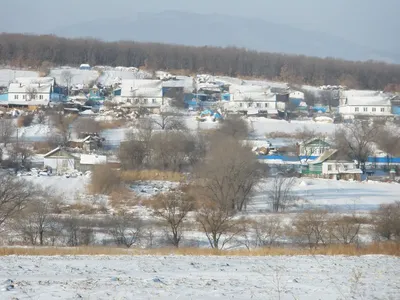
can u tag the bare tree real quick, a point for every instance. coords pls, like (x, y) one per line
(267, 231)
(14, 195)
(280, 194)
(386, 221)
(218, 223)
(236, 127)
(34, 221)
(66, 77)
(229, 173)
(169, 120)
(21, 155)
(172, 208)
(126, 229)
(86, 125)
(312, 226)
(7, 130)
(356, 141)
(344, 229)
(31, 93)
(63, 126)
(388, 140)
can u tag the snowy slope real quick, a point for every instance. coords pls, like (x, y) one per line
(79, 76)
(114, 76)
(191, 277)
(6, 75)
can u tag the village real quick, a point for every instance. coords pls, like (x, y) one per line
(119, 98)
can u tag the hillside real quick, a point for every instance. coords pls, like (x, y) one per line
(20, 50)
(221, 30)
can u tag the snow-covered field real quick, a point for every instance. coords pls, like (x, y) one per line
(345, 196)
(191, 277)
(79, 76)
(6, 75)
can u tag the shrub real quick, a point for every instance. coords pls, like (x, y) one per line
(104, 180)
(25, 121)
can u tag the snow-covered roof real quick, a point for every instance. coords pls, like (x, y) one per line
(33, 80)
(21, 88)
(141, 88)
(52, 152)
(93, 159)
(366, 98)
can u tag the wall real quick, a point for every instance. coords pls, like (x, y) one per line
(60, 164)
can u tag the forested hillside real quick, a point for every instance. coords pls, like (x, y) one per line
(43, 51)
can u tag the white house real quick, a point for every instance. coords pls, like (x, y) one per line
(245, 97)
(141, 93)
(365, 103)
(29, 94)
(60, 160)
(88, 161)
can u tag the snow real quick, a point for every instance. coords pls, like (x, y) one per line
(79, 76)
(151, 188)
(68, 188)
(35, 132)
(261, 126)
(6, 75)
(93, 159)
(111, 76)
(199, 277)
(335, 195)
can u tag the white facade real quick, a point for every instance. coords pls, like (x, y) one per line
(245, 97)
(141, 92)
(334, 167)
(32, 94)
(296, 95)
(365, 103)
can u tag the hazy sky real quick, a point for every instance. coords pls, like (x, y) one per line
(367, 22)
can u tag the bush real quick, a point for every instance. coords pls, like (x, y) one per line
(25, 121)
(104, 180)
(387, 221)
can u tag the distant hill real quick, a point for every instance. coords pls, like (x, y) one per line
(219, 30)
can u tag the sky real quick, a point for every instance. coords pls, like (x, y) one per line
(367, 22)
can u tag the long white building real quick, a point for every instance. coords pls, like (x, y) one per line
(365, 103)
(244, 97)
(141, 93)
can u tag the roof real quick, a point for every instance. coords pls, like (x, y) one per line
(22, 88)
(93, 159)
(33, 80)
(366, 98)
(141, 88)
(52, 152)
(327, 154)
(313, 140)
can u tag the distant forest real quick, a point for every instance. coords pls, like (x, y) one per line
(45, 51)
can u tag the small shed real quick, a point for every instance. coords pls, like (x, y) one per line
(88, 161)
(60, 160)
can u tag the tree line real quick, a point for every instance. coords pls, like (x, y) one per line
(45, 51)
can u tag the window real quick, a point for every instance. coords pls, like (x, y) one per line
(145, 101)
(24, 97)
(153, 101)
(137, 101)
(16, 97)
(382, 109)
(129, 100)
(357, 109)
(365, 109)
(249, 104)
(266, 104)
(374, 109)
(41, 97)
(240, 104)
(329, 167)
(258, 104)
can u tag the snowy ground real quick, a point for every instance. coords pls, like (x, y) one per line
(191, 277)
(6, 75)
(79, 76)
(67, 188)
(148, 189)
(345, 196)
(113, 76)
